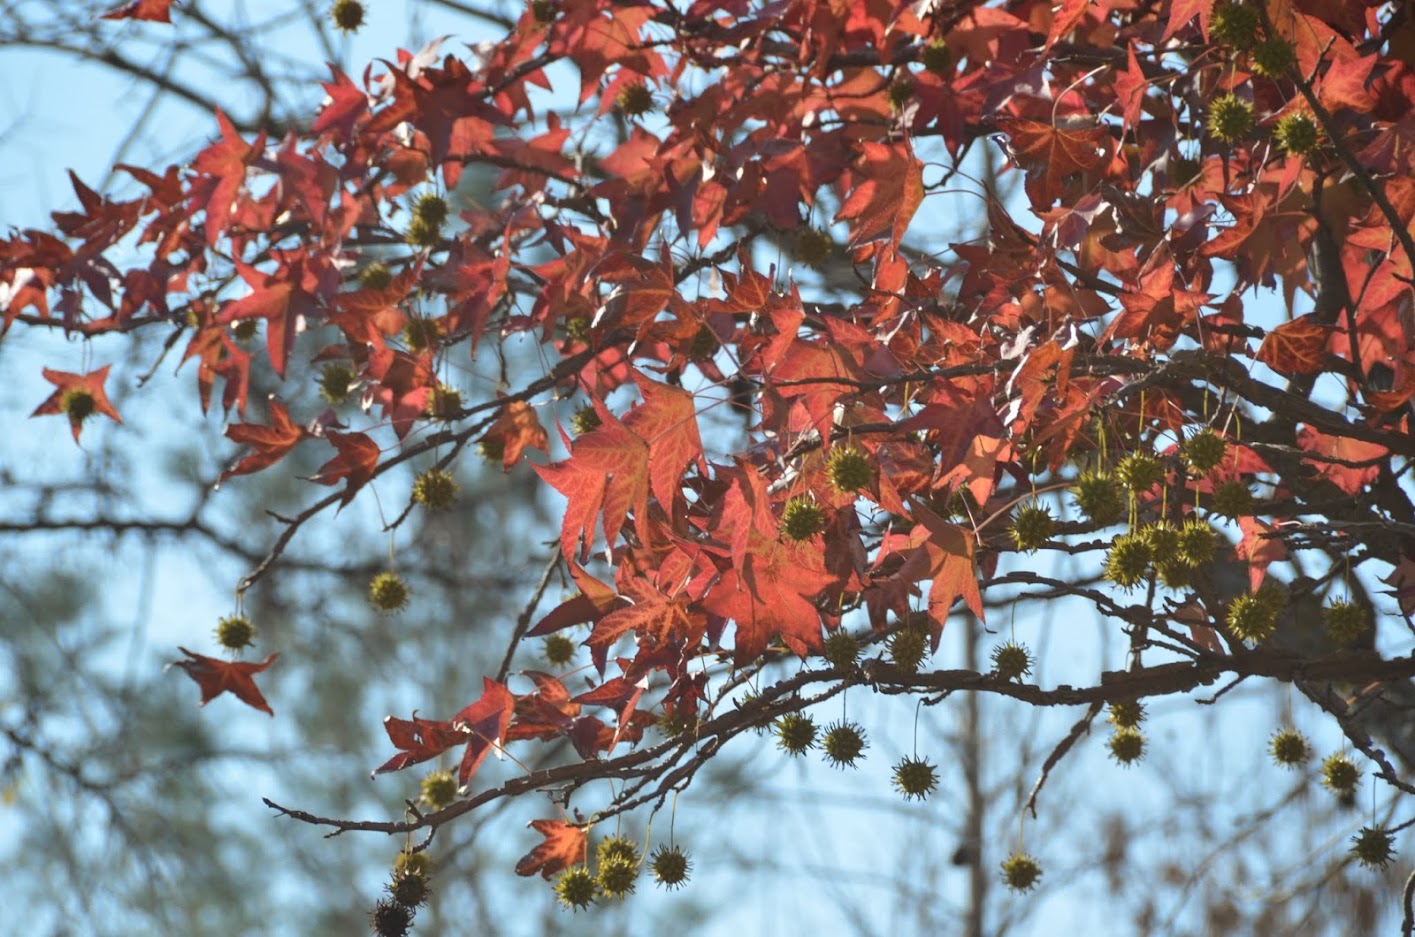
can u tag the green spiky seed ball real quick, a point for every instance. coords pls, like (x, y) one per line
(558, 650)
(1174, 574)
(1163, 538)
(390, 919)
(348, 15)
(1233, 499)
(915, 778)
(1011, 661)
(843, 744)
(617, 877)
(1139, 472)
(1197, 545)
(634, 100)
(387, 592)
(1204, 451)
(410, 891)
(1127, 746)
(336, 383)
(491, 448)
(802, 518)
(1100, 498)
(841, 650)
(1128, 560)
(1234, 24)
(900, 93)
(1127, 714)
(1289, 748)
(1372, 847)
(575, 888)
(908, 647)
(1297, 134)
(413, 863)
(585, 420)
(444, 404)
(376, 276)
(422, 334)
(577, 328)
(1250, 618)
(235, 632)
(1020, 872)
(1345, 621)
(704, 344)
(848, 469)
(617, 847)
(423, 235)
(1274, 58)
(1032, 527)
(435, 489)
(814, 247)
(1340, 775)
(795, 733)
(1230, 118)
(671, 867)
(937, 58)
(431, 208)
(438, 789)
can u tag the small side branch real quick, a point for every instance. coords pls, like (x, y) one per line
(1082, 726)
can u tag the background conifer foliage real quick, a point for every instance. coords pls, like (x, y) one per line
(682, 268)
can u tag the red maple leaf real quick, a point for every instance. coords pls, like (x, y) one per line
(281, 299)
(1296, 347)
(564, 846)
(484, 723)
(216, 676)
(347, 103)
(1051, 155)
(944, 554)
(418, 740)
(78, 396)
(1350, 464)
(155, 11)
(885, 188)
(271, 442)
(355, 463)
(517, 428)
(224, 164)
(1259, 548)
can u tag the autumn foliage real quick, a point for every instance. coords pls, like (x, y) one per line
(669, 232)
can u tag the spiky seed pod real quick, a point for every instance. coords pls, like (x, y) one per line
(937, 58)
(675, 722)
(1274, 58)
(491, 448)
(1250, 618)
(1230, 118)
(438, 789)
(431, 208)
(444, 403)
(634, 100)
(1127, 714)
(376, 276)
(1197, 545)
(844, 743)
(1234, 24)
(435, 489)
(585, 420)
(617, 877)
(1139, 472)
(387, 592)
(704, 344)
(795, 733)
(848, 469)
(348, 15)
(575, 888)
(1297, 134)
(915, 778)
(1100, 498)
(577, 328)
(1289, 748)
(390, 919)
(558, 650)
(410, 891)
(1233, 499)
(1340, 775)
(617, 847)
(814, 247)
(1031, 527)
(1372, 847)
(841, 650)
(543, 11)
(900, 94)
(1127, 746)
(802, 518)
(1128, 560)
(1345, 621)
(1020, 872)
(1182, 170)
(412, 863)
(244, 330)
(1174, 574)
(423, 235)
(235, 632)
(1012, 661)
(908, 647)
(671, 867)
(1163, 538)
(422, 334)
(1204, 451)
(336, 382)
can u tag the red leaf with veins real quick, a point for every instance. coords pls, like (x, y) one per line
(1259, 548)
(1296, 347)
(484, 723)
(216, 676)
(1350, 464)
(1051, 154)
(418, 739)
(271, 442)
(886, 188)
(281, 299)
(69, 388)
(356, 462)
(224, 165)
(564, 846)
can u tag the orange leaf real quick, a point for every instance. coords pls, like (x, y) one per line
(564, 846)
(886, 187)
(356, 462)
(69, 394)
(271, 442)
(1050, 154)
(216, 676)
(1258, 549)
(517, 427)
(1296, 347)
(1350, 464)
